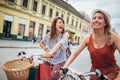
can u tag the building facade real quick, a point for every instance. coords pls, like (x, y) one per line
(23, 19)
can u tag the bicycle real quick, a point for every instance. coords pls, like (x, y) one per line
(41, 71)
(69, 74)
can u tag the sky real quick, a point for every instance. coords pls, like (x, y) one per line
(110, 6)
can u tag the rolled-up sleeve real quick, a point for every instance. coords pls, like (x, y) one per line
(64, 42)
(44, 38)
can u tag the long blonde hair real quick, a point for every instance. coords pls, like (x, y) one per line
(107, 27)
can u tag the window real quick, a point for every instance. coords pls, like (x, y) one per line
(35, 6)
(21, 28)
(75, 38)
(25, 2)
(31, 29)
(76, 23)
(57, 13)
(7, 29)
(72, 22)
(67, 20)
(11, 1)
(43, 9)
(50, 13)
(7, 26)
(62, 15)
(48, 29)
(80, 26)
(78, 39)
(40, 31)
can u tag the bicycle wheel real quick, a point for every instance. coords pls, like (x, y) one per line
(66, 77)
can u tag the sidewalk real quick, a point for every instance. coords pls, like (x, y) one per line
(21, 44)
(18, 44)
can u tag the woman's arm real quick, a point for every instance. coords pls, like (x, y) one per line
(43, 46)
(116, 41)
(60, 43)
(57, 46)
(73, 56)
(118, 76)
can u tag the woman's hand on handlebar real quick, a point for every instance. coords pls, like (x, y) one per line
(63, 70)
(47, 55)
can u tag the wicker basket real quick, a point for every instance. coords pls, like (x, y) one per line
(17, 69)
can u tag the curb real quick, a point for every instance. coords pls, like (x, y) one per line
(17, 47)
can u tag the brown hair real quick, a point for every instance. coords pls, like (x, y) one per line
(53, 33)
(107, 28)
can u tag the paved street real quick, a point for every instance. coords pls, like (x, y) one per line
(10, 49)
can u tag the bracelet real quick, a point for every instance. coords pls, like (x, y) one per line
(45, 49)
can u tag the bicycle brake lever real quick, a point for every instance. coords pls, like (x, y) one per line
(39, 58)
(101, 76)
(64, 70)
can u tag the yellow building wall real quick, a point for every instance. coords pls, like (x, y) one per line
(26, 13)
(17, 15)
(14, 27)
(1, 21)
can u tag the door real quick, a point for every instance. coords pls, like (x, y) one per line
(7, 29)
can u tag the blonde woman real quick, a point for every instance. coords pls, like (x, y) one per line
(101, 43)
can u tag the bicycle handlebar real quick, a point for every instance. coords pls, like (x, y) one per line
(23, 55)
(96, 73)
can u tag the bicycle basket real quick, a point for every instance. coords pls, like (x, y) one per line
(17, 69)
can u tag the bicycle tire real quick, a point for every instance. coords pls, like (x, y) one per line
(66, 77)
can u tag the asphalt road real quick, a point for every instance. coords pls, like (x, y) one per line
(82, 63)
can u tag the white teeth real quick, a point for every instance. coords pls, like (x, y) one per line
(96, 24)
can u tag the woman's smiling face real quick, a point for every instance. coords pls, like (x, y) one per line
(59, 25)
(98, 21)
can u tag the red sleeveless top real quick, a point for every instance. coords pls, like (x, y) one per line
(102, 57)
